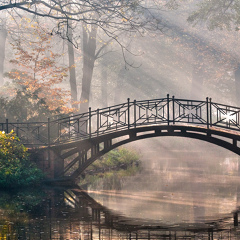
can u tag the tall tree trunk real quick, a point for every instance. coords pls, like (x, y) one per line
(89, 51)
(3, 37)
(104, 89)
(72, 70)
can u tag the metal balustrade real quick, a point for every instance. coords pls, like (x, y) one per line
(128, 115)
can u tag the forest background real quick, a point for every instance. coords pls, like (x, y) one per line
(59, 57)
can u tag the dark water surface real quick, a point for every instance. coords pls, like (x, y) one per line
(168, 199)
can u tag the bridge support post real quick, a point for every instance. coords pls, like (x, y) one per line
(128, 112)
(173, 109)
(94, 149)
(207, 105)
(168, 111)
(132, 135)
(98, 122)
(107, 144)
(48, 126)
(59, 131)
(58, 164)
(83, 157)
(90, 123)
(135, 114)
(7, 130)
(18, 128)
(210, 111)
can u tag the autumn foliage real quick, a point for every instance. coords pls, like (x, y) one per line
(37, 69)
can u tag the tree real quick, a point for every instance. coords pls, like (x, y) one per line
(38, 71)
(111, 17)
(25, 106)
(89, 49)
(72, 67)
(222, 14)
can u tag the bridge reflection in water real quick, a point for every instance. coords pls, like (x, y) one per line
(73, 214)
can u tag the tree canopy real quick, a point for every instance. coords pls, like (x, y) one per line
(109, 15)
(222, 14)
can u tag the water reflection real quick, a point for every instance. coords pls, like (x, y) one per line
(173, 196)
(176, 196)
(73, 214)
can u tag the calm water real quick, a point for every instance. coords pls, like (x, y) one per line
(181, 195)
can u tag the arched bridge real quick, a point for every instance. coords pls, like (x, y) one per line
(67, 146)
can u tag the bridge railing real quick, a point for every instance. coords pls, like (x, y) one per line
(224, 116)
(189, 111)
(30, 132)
(130, 114)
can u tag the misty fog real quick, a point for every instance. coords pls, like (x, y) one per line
(182, 59)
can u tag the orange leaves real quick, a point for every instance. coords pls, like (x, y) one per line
(37, 69)
(83, 101)
(124, 20)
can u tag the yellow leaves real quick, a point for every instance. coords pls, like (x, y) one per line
(28, 20)
(83, 101)
(64, 74)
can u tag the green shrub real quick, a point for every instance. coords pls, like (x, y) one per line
(112, 168)
(118, 158)
(16, 169)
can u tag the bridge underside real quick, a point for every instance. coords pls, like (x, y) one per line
(69, 161)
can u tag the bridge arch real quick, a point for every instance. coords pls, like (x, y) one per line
(87, 151)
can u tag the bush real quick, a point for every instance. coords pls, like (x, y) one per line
(118, 158)
(16, 169)
(110, 169)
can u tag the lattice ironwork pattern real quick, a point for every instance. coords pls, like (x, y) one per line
(189, 111)
(150, 111)
(224, 116)
(130, 114)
